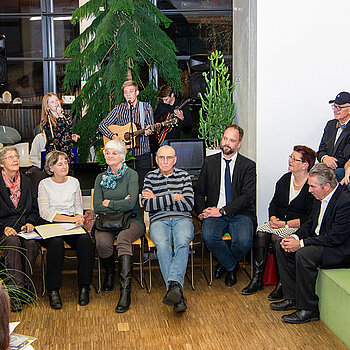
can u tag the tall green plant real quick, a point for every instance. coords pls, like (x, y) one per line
(217, 110)
(124, 39)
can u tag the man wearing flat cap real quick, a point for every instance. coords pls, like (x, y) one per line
(334, 149)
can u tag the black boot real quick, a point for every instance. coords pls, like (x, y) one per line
(109, 265)
(125, 276)
(258, 269)
(277, 293)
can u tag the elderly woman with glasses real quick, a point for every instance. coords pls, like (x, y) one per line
(289, 208)
(117, 190)
(60, 200)
(18, 212)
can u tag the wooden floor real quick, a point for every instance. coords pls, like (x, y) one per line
(218, 317)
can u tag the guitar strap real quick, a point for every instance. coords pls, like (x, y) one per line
(142, 114)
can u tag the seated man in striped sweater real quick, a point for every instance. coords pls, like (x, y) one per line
(168, 197)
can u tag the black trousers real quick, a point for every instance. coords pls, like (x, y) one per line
(298, 273)
(55, 255)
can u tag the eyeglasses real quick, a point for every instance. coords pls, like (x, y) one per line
(295, 160)
(167, 158)
(12, 157)
(338, 108)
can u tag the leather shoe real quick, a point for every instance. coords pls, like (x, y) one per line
(181, 306)
(219, 271)
(55, 300)
(231, 278)
(277, 293)
(16, 304)
(173, 295)
(84, 296)
(302, 316)
(283, 305)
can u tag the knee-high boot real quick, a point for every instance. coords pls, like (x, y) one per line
(258, 270)
(277, 293)
(109, 266)
(125, 278)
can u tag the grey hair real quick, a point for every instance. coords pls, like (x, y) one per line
(324, 175)
(6, 149)
(52, 159)
(119, 146)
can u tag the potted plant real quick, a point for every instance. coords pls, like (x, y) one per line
(217, 111)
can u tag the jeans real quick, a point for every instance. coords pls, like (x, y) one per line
(172, 237)
(339, 174)
(241, 230)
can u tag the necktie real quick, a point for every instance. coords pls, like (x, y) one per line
(228, 188)
(341, 126)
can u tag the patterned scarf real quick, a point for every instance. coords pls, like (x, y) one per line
(110, 180)
(14, 186)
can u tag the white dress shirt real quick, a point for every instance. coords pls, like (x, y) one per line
(222, 196)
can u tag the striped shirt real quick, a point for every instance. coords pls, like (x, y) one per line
(164, 205)
(120, 115)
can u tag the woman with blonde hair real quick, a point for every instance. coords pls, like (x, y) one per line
(57, 126)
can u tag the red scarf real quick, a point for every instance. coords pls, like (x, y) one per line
(14, 186)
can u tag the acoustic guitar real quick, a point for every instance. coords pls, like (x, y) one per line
(161, 133)
(124, 131)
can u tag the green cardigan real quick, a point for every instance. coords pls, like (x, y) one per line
(128, 184)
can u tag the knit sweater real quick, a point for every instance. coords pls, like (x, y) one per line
(128, 184)
(164, 187)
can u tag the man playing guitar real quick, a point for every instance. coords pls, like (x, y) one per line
(142, 115)
(169, 106)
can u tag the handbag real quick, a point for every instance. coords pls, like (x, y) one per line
(113, 222)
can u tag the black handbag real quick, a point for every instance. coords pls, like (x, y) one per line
(113, 222)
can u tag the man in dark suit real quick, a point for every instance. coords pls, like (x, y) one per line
(334, 149)
(324, 240)
(225, 198)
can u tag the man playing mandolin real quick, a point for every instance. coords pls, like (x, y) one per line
(117, 125)
(168, 107)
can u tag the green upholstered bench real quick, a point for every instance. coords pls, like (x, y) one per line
(333, 289)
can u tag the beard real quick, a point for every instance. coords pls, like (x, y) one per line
(226, 150)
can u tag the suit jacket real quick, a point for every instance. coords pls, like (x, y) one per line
(339, 150)
(207, 190)
(299, 208)
(334, 231)
(9, 214)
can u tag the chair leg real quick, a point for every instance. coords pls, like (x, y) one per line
(209, 280)
(141, 263)
(149, 271)
(99, 275)
(192, 267)
(43, 284)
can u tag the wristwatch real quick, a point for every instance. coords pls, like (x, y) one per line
(222, 211)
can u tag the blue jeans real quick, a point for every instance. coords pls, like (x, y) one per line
(339, 174)
(241, 230)
(168, 232)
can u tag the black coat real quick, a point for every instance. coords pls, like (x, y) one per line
(9, 214)
(299, 208)
(334, 231)
(340, 150)
(207, 190)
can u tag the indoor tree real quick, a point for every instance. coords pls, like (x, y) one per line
(124, 40)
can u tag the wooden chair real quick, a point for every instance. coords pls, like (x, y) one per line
(225, 237)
